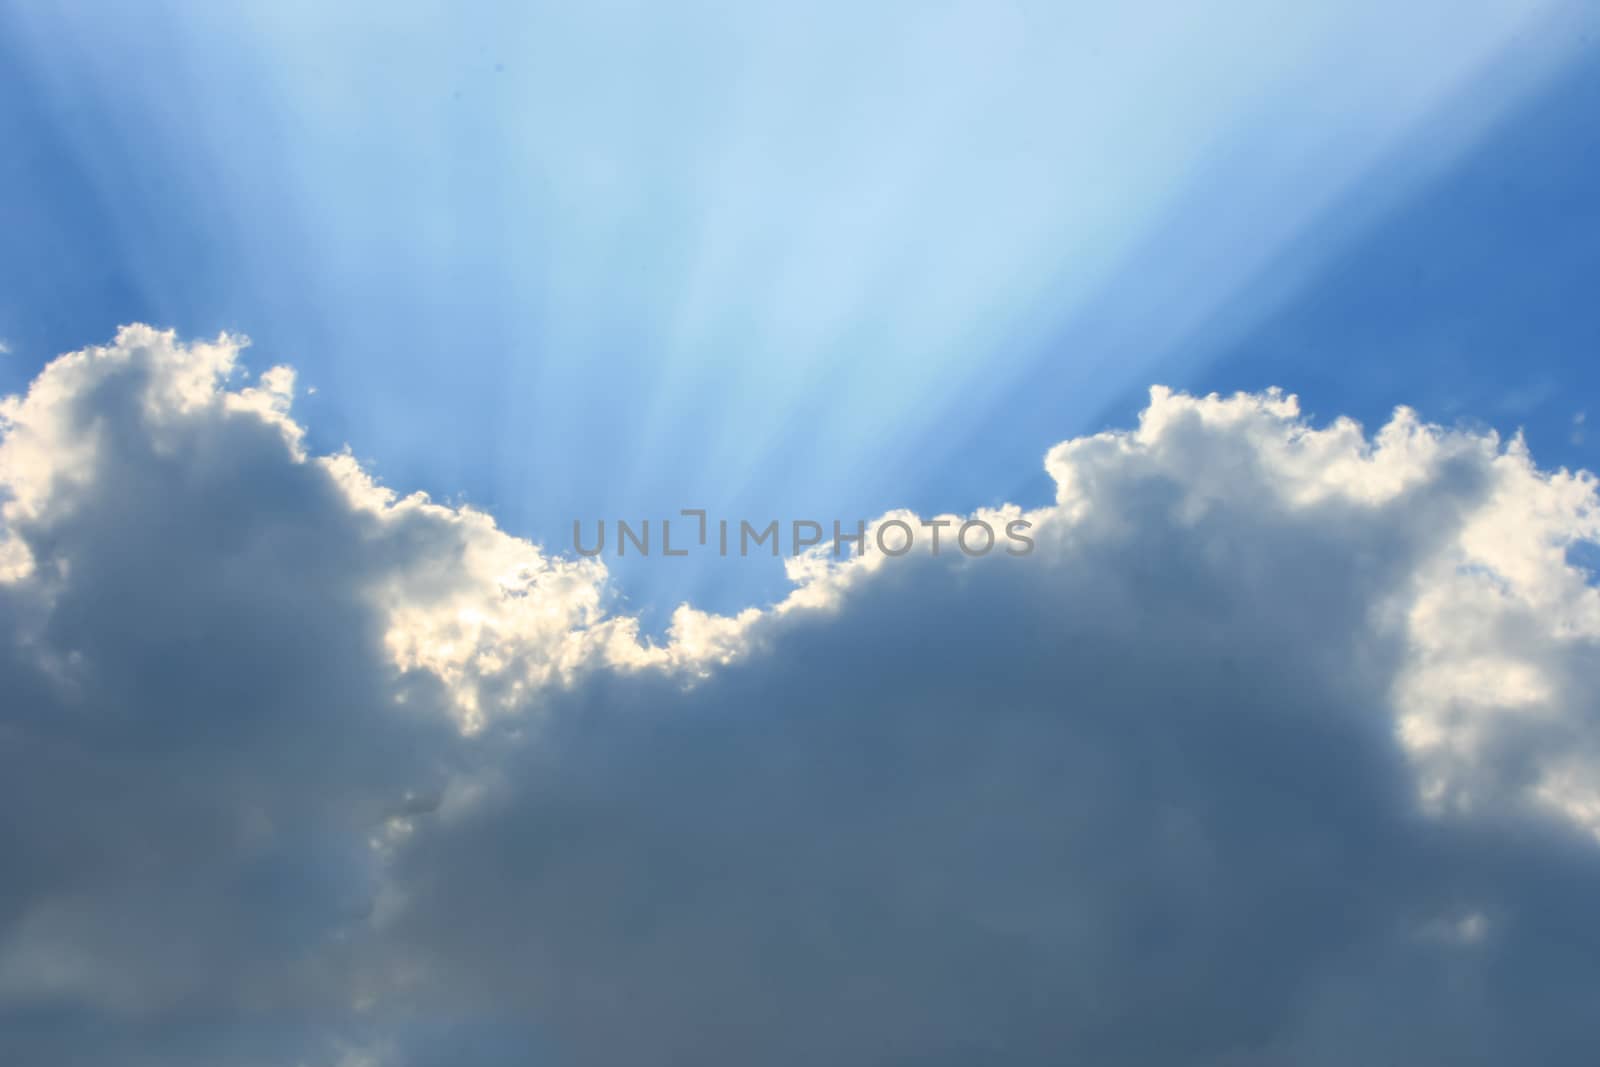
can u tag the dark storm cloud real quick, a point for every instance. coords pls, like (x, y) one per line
(1239, 767)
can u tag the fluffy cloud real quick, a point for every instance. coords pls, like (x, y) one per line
(1280, 748)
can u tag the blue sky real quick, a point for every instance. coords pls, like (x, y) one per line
(1280, 746)
(797, 261)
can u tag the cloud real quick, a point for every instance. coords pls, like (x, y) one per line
(1281, 747)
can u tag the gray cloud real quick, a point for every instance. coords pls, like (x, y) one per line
(1279, 749)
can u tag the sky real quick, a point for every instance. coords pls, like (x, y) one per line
(1271, 326)
(800, 261)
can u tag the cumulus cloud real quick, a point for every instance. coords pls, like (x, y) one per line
(1280, 748)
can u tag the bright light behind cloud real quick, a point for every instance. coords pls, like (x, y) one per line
(1279, 749)
(322, 745)
(713, 256)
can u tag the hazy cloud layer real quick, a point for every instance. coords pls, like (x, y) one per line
(1281, 748)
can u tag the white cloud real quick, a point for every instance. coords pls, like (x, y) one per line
(1280, 748)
